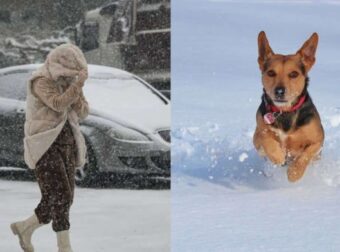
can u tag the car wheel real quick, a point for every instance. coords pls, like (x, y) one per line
(86, 176)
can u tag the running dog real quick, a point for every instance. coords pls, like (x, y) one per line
(289, 129)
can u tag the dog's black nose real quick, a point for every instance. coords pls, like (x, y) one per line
(280, 92)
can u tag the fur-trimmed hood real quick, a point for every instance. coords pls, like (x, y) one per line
(65, 60)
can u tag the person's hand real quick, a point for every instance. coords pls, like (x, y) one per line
(82, 76)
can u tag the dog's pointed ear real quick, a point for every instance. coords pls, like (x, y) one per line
(308, 50)
(265, 52)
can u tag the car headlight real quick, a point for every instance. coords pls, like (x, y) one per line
(125, 134)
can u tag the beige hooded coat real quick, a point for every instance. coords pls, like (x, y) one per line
(49, 105)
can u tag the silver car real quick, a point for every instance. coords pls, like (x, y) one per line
(127, 131)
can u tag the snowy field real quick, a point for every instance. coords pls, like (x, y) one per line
(221, 201)
(101, 220)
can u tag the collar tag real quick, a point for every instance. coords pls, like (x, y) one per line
(269, 118)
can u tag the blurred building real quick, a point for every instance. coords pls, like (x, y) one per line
(35, 16)
(129, 34)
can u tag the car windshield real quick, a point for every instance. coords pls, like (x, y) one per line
(13, 84)
(106, 92)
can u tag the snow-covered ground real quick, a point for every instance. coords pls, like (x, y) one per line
(221, 201)
(101, 220)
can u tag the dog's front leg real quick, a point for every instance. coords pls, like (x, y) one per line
(297, 168)
(266, 141)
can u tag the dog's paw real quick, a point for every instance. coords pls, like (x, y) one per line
(295, 172)
(278, 158)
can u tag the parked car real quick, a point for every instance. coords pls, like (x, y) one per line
(127, 131)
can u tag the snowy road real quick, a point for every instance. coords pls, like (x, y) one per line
(102, 220)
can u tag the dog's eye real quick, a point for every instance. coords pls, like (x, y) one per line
(293, 75)
(271, 73)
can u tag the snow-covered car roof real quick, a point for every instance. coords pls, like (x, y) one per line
(118, 96)
(94, 70)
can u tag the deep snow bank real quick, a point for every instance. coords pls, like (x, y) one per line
(232, 160)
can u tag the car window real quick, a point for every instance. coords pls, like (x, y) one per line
(13, 84)
(90, 36)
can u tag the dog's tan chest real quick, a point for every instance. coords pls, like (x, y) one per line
(280, 134)
(289, 142)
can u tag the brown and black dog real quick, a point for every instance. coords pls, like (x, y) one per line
(289, 129)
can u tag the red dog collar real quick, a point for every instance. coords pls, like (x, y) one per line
(274, 112)
(273, 108)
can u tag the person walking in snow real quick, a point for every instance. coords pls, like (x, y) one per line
(54, 145)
